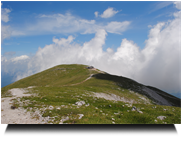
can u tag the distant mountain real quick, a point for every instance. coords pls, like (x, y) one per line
(178, 95)
(6, 79)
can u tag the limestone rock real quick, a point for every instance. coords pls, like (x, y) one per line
(133, 108)
(161, 117)
(80, 103)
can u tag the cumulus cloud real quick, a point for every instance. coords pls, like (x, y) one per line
(108, 13)
(158, 64)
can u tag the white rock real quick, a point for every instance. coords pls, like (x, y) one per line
(80, 103)
(51, 107)
(116, 113)
(80, 116)
(113, 119)
(161, 117)
(87, 105)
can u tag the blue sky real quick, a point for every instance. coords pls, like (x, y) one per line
(128, 38)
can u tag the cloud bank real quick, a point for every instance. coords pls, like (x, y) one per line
(158, 64)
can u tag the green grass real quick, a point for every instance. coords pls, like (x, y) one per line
(53, 87)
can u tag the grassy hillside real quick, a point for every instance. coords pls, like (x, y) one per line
(64, 85)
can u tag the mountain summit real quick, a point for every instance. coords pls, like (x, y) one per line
(83, 94)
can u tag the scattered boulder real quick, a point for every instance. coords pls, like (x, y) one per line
(113, 119)
(161, 117)
(116, 113)
(80, 103)
(140, 112)
(109, 105)
(87, 105)
(133, 108)
(51, 107)
(80, 116)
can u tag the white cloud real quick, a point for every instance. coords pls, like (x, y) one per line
(5, 29)
(3, 59)
(108, 13)
(158, 64)
(96, 14)
(4, 14)
(160, 5)
(22, 57)
(68, 24)
(178, 4)
(117, 27)
(5, 32)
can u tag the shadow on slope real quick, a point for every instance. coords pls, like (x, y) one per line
(127, 83)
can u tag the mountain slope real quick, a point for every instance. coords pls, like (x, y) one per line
(81, 95)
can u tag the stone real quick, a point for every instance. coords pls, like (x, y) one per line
(161, 117)
(140, 112)
(133, 108)
(80, 116)
(51, 107)
(113, 119)
(13, 107)
(116, 113)
(87, 105)
(109, 105)
(80, 103)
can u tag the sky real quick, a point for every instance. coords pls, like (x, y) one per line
(140, 40)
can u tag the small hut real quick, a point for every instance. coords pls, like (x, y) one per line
(90, 67)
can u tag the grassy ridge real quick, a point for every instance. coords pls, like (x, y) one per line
(54, 87)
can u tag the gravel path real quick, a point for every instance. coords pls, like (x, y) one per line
(19, 115)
